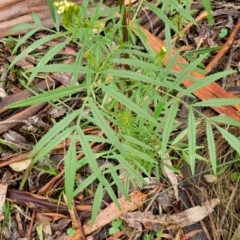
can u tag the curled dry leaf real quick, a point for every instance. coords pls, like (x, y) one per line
(210, 178)
(174, 221)
(20, 166)
(112, 212)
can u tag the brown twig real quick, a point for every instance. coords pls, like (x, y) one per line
(225, 48)
(31, 225)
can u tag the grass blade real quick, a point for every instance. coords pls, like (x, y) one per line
(232, 140)
(48, 96)
(62, 68)
(98, 196)
(168, 127)
(218, 102)
(192, 139)
(51, 53)
(36, 19)
(211, 148)
(128, 103)
(207, 80)
(94, 166)
(35, 45)
(54, 131)
(69, 174)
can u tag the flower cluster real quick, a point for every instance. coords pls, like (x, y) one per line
(63, 6)
(69, 12)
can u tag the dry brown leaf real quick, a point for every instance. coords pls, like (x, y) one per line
(112, 212)
(210, 178)
(20, 166)
(174, 221)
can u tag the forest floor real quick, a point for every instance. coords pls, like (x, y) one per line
(174, 205)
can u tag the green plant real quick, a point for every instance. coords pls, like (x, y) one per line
(70, 231)
(7, 207)
(39, 229)
(139, 135)
(223, 33)
(117, 226)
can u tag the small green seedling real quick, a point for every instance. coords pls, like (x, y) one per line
(70, 231)
(223, 33)
(117, 226)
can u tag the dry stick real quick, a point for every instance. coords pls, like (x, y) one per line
(226, 47)
(24, 115)
(31, 226)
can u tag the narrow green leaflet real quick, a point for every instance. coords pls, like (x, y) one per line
(202, 50)
(168, 127)
(162, 15)
(63, 68)
(118, 182)
(182, 11)
(168, 41)
(85, 184)
(139, 154)
(232, 140)
(186, 72)
(131, 75)
(54, 131)
(54, 15)
(136, 63)
(226, 120)
(211, 147)
(102, 123)
(136, 141)
(70, 170)
(192, 139)
(126, 165)
(218, 102)
(36, 19)
(22, 26)
(204, 82)
(52, 143)
(23, 39)
(128, 103)
(50, 54)
(48, 96)
(98, 196)
(35, 45)
(94, 166)
(207, 6)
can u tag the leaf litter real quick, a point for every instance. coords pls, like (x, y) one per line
(170, 220)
